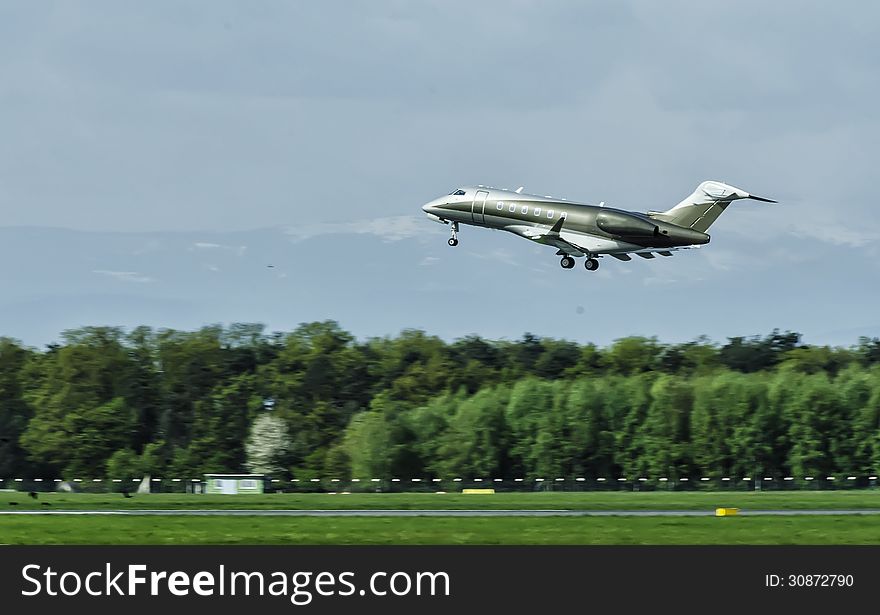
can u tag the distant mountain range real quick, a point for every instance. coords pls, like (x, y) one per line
(384, 275)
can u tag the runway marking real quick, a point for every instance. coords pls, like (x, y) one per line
(433, 513)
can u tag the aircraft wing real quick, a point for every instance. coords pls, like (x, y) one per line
(578, 244)
(649, 253)
(550, 237)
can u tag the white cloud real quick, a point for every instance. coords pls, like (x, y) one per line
(660, 280)
(390, 228)
(204, 245)
(500, 255)
(125, 276)
(836, 234)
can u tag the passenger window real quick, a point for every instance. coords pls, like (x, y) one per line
(549, 213)
(499, 205)
(525, 209)
(537, 211)
(512, 207)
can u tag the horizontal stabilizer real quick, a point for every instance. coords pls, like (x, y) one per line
(760, 198)
(699, 210)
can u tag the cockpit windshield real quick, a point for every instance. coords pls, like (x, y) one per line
(458, 192)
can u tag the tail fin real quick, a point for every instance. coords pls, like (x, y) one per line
(704, 205)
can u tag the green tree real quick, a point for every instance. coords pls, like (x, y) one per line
(588, 441)
(557, 359)
(429, 424)
(124, 465)
(695, 358)
(175, 403)
(367, 442)
(860, 397)
(81, 439)
(627, 403)
(666, 431)
(14, 410)
(220, 426)
(142, 388)
(476, 364)
(77, 393)
(529, 398)
(633, 355)
(756, 354)
(474, 445)
(192, 364)
(810, 410)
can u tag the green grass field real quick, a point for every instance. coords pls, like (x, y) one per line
(609, 500)
(443, 530)
(93, 529)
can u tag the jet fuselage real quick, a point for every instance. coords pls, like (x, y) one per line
(591, 231)
(607, 230)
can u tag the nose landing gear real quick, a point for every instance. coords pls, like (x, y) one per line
(453, 241)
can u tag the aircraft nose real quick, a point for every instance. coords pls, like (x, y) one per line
(434, 211)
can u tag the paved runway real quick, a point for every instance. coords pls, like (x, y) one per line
(436, 513)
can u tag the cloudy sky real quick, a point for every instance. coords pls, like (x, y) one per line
(157, 156)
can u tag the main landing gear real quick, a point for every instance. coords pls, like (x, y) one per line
(453, 241)
(591, 263)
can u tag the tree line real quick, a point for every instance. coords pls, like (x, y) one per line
(317, 402)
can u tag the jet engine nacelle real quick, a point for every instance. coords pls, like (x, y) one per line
(619, 223)
(683, 236)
